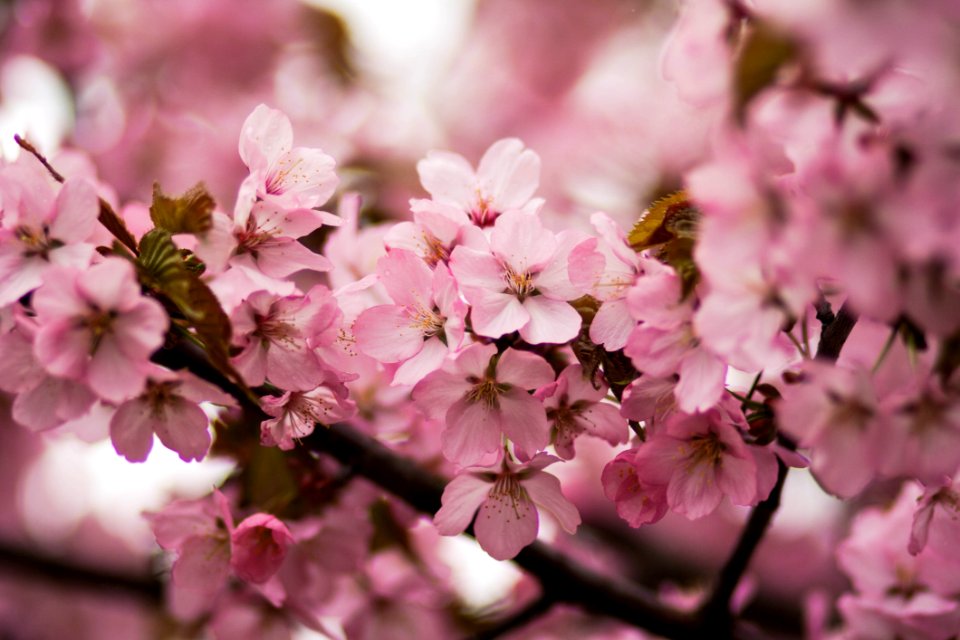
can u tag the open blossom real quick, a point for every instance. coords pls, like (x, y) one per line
(574, 408)
(898, 594)
(482, 400)
(505, 180)
(664, 343)
(278, 335)
(96, 327)
(506, 504)
(701, 458)
(295, 414)
(834, 412)
(42, 401)
(168, 407)
(282, 175)
(613, 322)
(40, 228)
(424, 324)
(435, 231)
(521, 282)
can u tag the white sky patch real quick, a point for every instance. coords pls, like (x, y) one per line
(35, 103)
(71, 479)
(479, 579)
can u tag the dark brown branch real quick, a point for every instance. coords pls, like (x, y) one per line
(28, 563)
(519, 619)
(835, 333)
(715, 611)
(562, 579)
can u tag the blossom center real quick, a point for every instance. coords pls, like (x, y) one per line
(507, 491)
(483, 214)
(706, 449)
(520, 283)
(426, 321)
(487, 392)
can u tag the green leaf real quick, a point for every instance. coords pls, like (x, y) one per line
(762, 55)
(162, 268)
(669, 218)
(190, 213)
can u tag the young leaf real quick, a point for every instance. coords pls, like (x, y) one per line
(764, 53)
(190, 213)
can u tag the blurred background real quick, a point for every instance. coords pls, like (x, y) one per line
(138, 91)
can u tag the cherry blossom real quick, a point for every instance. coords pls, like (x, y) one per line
(505, 180)
(574, 408)
(506, 504)
(422, 327)
(277, 337)
(481, 396)
(521, 282)
(96, 327)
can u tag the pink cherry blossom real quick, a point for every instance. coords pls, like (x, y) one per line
(834, 411)
(38, 230)
(521, 282)
(701, 458)
(296, 413)
(482, 399)
(574, 407)
(613, 322)
(168, 407)
(505, 180)
(278, 335)
(506, 504)
(96, 327)
(637, 502)
(42, 401)
(259, 544)
(281, 175)
(664, 343)
(423, 326)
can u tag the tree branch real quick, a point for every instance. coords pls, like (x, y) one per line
(715, 611)
(835, 333)
(519, 619)
(28, 563)
(562, 579)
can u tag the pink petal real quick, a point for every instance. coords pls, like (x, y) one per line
(506, 524)
(112, 374)
(448, 177)
(551, 321)
(199, 574)
(110, 285)
(259, 544)
(251, 362)
(293, 366)
(406, 278)
(497, 314)
(476, 270)
(525, 420)
(438, 391)
(303, 177)
(265, 136)
(523, 369)
(19, 274)
(702, 375)
(281, 257)
(183, 428)
(604, 421)
(430, 358)
(473, 431)
(77, 210)
(461, 498)
(509, 173)
(519, 240)
(131, 430)
(387, 334)
(612, 325)
(63, 348)
(544, 490)
(473, 360)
